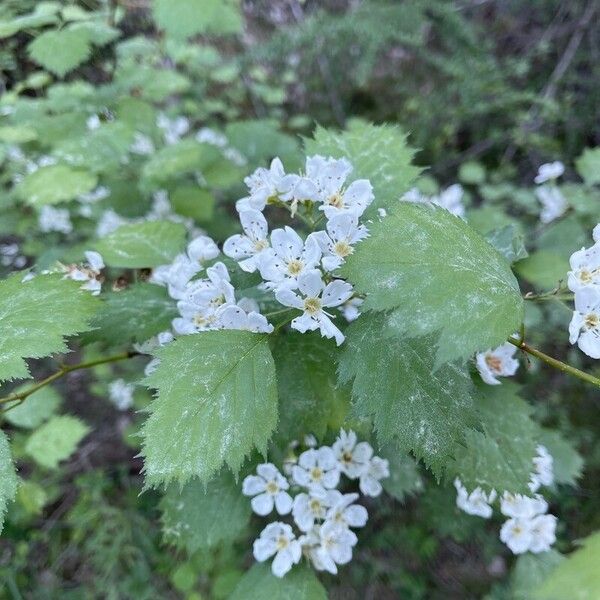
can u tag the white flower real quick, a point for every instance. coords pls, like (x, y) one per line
(121, 394)
(522, 507)
(476, 503)
(142, 144)
(585, 324)
(248, 248)
(332, 545)
(288, 258)
(55, 219)
(206, 135)
(343, 511)
(202, 249)
(89, 272)
(549, 171)
(92, 122)
(317, 468)
(414, 195)
(317, 296)
(279, 540)
(309, 508)
(377, 469)
(543, 473)
(265, 184)
(176, 276)
(451, 200)
(350, 309)
(353, 458)
(543, 533)
(95, 195)
(235, 317)
(269, 490)
(585, 268)
(517, 535)
(343, 231)
(596, 233)
(554, 204)
(497, 363)
(173, 129)
(109, 221)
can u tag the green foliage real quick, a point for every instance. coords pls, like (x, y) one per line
(509, 242)
(56, 440)
(202, 516)
(438, 276)
(37, 408)
(568, 463)
(544, 269)
(588, 166)
(421, 410)
(8, 477)
(60, 51)
(140, 245)
(26, 330)
(216, 402)
(531, 571)
(404, 479)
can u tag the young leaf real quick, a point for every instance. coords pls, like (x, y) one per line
(8, 477)
(500, 456)
(60, 51)
(438, 275)
(217, 400)
(378, 153)
(37, 408)
(25, 329)
(423, 411)
(259, 583)
(56, 440)
(140, 245)
(202, 516)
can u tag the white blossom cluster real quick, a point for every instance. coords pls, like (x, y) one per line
(120, 393)
(54, 219)
(584, 282)
(89, 273)
(554, 204)
(451, 199)
(323, 516)
(528, 527)
(499, 362)
(10, 256)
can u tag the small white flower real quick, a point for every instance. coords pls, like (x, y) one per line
(331, 545)
(202, 249)
(142, 144)
(543, 473)
(309, 508)
(97, 194)
(55, 219)
(89, 272)
(549, 172)
(176, 275)
(343, 511)
(517, 535)
(317, 468)
(522, 507)
(316, 297)
(543, 533)
(121, 394)
(263, 185)
(269, 490)
(585, 324)
(310, 441)
(206, 135)
(497, 363)
(234, 317)
(451, 200)
(173, 129)
(353, 458)
(248, 248)
(369, 482)
(585, 268)
(350, 309)
(278, 539)
(92, 122)
(109, 221)
(476, 503)
(554, 204)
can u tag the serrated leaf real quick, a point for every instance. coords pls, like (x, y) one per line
(134, 314)
(55, 183)
(60, 51)
(500, 456)
(568, 463)
(588, 166)
(421, 410)
(438, 275)
(35, 409)
(8, 477)
(216, 402)
(184, 18)
(31, 21)
(98, 33)
(310, 399)
(531, 571)
(577, 577)
(259, 583)
(141, 245)
(56, 440)
(25, 329)
(378, 153)
(202, 516)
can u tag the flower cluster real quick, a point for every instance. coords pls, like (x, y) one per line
(89, 272)
(584, 282)
(10, 256)
(528, 527)
(499, 362)
(550, 197)
(323, 515)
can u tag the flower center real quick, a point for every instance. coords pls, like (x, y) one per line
(316, 473)
(347, 457)
(272, 487)
(295, 267)
(200, 320)
(312, 305)
(592, 320)
(342, 249)
(494, 363)
(336, 200)
(260, 245)
(282, 542)
(315, 505)
(585, 276)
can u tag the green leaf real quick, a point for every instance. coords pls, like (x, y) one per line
(25, 329)
(259, 583)
(440, 276)
(8, 477)
(531, 571)
(184, 18)
(175, 160)
(202, 516)
(35, 409)
(472, 173)
(509, 242)
(378, 153)
(60, 51)
(137, 313)
(543, 268)
(577, 577)
(55, 183)
(98, 33)
(141, 245)
(217, 400)
(568, 463)
(588, 166)
(31, 21)
(500, 455)
(310, 400)
(17, 134)
(404, 479)
(422, 410)
(194, 202)
(56, 440)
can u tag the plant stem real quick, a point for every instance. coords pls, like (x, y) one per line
(63, 370)
(553, 362)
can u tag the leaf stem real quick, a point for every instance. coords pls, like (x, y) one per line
(553, 362)
(63, 370)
